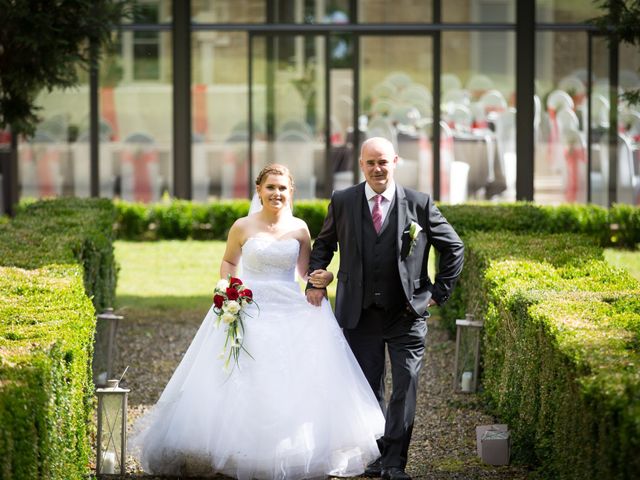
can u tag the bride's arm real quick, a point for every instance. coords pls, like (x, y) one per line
(233, 251)
(305, 252)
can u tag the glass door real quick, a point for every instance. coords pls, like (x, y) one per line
(288, 108)
(396, 102)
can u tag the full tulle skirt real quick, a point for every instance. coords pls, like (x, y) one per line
(295, 406)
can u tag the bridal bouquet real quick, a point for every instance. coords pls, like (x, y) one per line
(230, 298)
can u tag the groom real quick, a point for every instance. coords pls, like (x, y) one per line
(385, 233)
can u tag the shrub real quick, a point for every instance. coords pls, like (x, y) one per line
(527, 217)
(65, 231)
(626, 220)
(560, 351)
(54, 255)
(46, 346)
(181, 219)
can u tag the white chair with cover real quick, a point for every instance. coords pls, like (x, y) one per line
(296, 125)
(460, 117)
(457, 96)
(383, 107)
(382, 127)
(479, 84)
(140, 178)
(383, 90)
(200, 176)
(40, 165)
(80, 154)
(575, 87)
(628, 175)
(295, 150)
(400, 80)
(558, 99)
(450, 81)
(493, 101)
(506, 145)
(419, 97)
(235, 164)
(575, 168)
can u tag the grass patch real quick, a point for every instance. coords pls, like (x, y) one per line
(168, 274)
(173, 274)
(627, 259)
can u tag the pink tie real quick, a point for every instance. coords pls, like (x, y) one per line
(377, 213)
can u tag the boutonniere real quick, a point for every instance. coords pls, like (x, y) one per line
(414, 230)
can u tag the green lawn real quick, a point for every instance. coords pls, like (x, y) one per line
(172, 274)
(630, 260)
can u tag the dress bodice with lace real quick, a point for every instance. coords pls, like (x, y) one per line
(265, 258)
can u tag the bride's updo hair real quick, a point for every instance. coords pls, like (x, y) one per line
(274, 169)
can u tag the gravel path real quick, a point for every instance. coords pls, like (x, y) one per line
(443, 445)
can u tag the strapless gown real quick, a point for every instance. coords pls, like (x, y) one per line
(298, 407)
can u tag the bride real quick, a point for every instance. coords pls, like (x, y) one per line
(296, 405)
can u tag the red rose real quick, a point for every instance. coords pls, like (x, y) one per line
(247, 293)
(232, 293)
(233, 282)
(218, 300)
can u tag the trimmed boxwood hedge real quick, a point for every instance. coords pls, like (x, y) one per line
(181, 219)
(65, 231)
(46, 345)
(561, 350)
(54, 256)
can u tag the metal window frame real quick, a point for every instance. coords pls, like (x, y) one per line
(525, 28)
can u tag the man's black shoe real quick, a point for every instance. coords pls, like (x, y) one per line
(374, 469)
(394, 473)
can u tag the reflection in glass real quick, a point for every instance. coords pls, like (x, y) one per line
(399, 11)
(480, 11)
(311, 11)
(396, 102)
(136, 148)
(220, 106)
(565, 11)
(228, 11)
(151, 12)
(629, 128)
(290, 70)
(479, 112)
(52, 162)
(560, 173)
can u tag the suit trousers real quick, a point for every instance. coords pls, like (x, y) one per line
(403, 335)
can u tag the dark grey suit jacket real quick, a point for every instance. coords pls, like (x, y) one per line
(343, 227)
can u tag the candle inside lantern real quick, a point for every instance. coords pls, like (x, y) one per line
(108, 462)
(465, 384)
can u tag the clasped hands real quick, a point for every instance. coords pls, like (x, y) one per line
(319, 279)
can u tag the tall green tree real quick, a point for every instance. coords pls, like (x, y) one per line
(45, 44)
(621, 21)
(42, 44)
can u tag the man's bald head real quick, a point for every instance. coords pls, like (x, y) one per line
(378, 162)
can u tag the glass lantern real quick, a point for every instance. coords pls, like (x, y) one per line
(104, 346)
(467, 361)
(112, 429)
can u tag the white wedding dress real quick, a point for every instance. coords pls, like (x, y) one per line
(300, 408)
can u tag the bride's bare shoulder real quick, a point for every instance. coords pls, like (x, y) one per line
(300, 223)
(242, 228)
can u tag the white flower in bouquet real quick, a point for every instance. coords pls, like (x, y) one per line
(228, 317)
(232, 307)
(222, 284)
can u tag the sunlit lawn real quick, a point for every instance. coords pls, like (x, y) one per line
(630, 260)
(172, 274)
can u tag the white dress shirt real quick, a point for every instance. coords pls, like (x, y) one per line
(387, 198)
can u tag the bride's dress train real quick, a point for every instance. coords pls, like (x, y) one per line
(300, 408)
